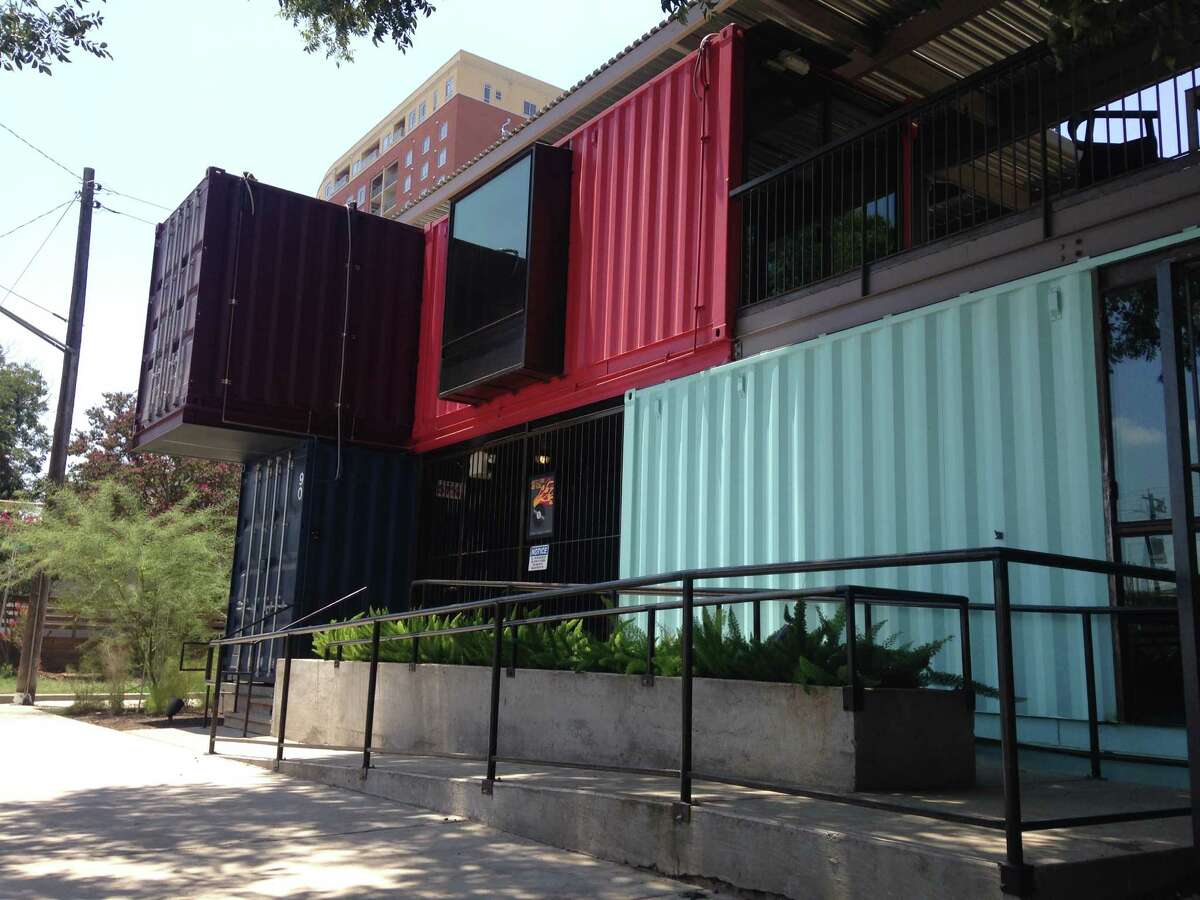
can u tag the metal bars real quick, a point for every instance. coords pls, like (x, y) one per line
(1016, 874)
(1004, 142)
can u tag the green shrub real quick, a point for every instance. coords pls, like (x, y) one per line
(169, 684)
(795, 653)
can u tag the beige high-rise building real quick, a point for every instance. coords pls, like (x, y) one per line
(462, 108)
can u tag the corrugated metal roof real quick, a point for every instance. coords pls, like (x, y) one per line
(962, 50)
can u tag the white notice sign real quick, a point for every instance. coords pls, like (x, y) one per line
(539, 557)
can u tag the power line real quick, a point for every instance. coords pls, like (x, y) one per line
(130, 197)
(39, 151)
(46, 309)
(120, 213)
(36, 218)
(41, 246)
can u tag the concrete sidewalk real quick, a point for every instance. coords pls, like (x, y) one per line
(90, 812)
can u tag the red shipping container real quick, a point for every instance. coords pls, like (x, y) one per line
(252, 289)
(653, 252)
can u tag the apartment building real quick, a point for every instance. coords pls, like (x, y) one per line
(467, 105)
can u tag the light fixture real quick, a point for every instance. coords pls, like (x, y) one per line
(789, 61)
(542, 459)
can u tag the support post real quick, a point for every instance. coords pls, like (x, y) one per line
(964, 631)
(1180, 479)
(651, 628)
(371, 678)
(1089, 662)
(283, 700)
(1015, 876)
(208, 677)
(249, 701)
(852, 692)
(216, 712)
(35, 623)
(682, 812)
(494, 704)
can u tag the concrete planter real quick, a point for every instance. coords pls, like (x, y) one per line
(782, 733)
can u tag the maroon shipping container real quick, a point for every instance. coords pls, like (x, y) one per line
(269, 312)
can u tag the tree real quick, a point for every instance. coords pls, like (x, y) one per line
(104, 452)
(33, 37)
(146, 582)
(23, 438)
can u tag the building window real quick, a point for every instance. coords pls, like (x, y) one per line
(487, 93)
(407, 183)
(424, 170)
(329, 190)
(443, 131)
(412, 120)
(393, 136)
(356, 167)
(408, 158)
(421, 112)
(425, 144)
(441, 157)
(389, 188)
(362, 196)
(530, 109)
(499, 96)
(377, 194)
(435, 101)
(449, 87)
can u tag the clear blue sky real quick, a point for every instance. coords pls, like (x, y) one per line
(195, 83)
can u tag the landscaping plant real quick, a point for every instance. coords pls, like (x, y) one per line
(796, 653)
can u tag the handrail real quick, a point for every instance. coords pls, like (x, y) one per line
(628, 585)
(1015, 873)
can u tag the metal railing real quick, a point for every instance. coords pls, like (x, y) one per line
(1011, 139)
(678, 591)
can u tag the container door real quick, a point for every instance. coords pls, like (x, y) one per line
(266, 556)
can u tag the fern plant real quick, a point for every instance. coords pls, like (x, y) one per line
(795, 653)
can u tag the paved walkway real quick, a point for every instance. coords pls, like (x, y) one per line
(90, 812)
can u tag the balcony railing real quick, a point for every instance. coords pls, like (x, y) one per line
(1011, 140)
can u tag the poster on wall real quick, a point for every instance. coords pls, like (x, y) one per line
(541, 506)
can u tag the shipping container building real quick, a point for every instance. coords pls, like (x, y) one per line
(273, 315)
(318, 522)
(870, 280)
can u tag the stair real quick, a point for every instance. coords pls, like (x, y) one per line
(261, 700)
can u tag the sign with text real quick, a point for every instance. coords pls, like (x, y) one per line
(539, 557)
(541, 506)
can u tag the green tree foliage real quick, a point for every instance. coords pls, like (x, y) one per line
(33, 36)
(146, 582)
(104, 452)
(23, 438)
(331, 25)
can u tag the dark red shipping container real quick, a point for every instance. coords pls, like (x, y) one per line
(652, 255)
(271, 312)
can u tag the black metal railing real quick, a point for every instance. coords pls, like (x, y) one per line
(1012, 139)
(679, 591)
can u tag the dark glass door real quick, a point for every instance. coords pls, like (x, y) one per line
(1150, 679)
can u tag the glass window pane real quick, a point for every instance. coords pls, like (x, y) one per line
(488, 252)
(1138, 415)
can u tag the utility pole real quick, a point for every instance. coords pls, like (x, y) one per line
(31, 643)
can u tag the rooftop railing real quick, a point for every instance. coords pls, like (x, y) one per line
(1011, 140)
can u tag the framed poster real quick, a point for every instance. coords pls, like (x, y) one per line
(541, 507)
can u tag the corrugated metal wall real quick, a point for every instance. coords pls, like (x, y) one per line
(652, 254)
(307, 537)
(939, 429)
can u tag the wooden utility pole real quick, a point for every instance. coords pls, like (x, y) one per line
(35, 623)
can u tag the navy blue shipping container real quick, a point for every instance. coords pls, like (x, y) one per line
(308, 535)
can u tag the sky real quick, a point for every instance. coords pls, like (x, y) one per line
(199, 83)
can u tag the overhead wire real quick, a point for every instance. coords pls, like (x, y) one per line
(39, 151)
(118, 212)
(37, 218)
(46, 309)
(41, 247)
(110, 190)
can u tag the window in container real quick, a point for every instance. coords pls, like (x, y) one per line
(505, 302)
